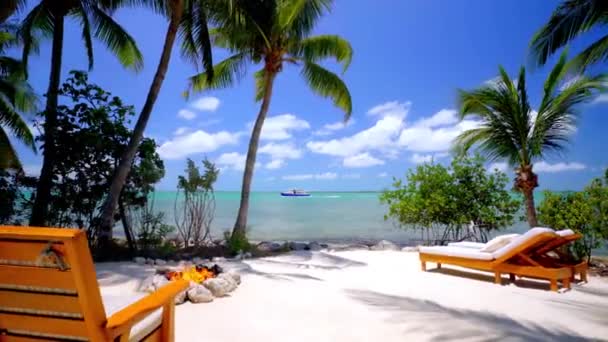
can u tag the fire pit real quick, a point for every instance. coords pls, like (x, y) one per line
(197, 274)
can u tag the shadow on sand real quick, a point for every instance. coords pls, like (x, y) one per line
(441, 323)
(520, 282)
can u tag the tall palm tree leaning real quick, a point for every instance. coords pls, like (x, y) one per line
(47, 20)
(508, 128)
(274, 33)
(15, 95)
(571, 19)
(188, 18)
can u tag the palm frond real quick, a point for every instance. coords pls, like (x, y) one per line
(226, 73)
(8, 155)
(260, 84)
(38, 21)
(81, 14)
(570, 19)
(116, 39)
(316, 48)
(10, 7)
(328, 84)
(596, 52)
(298, 17)
(196, 42)
(10, 119)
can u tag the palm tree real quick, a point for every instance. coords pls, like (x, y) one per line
(189, 19)
(47, 20)
(274, 33)
(15, 95)
(9, 7)
(508, 127)
(571, 19)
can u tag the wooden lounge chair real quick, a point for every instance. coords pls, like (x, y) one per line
(49, 291)
(515, 258)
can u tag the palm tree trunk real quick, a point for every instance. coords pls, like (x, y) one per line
(45, 182)
(126, 225)
(121, 173)
(530, 208)
(240, 225)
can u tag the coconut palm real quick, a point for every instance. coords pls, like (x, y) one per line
(9, 7)
(15, 95)
(188, 18)
(509, 129)
(274, 34)
(571, 19)
(47, 19)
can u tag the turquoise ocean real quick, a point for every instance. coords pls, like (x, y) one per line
(324, 216)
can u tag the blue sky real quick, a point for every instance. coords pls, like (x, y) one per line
(410, 57)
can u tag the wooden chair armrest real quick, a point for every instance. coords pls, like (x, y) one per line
(124, 319)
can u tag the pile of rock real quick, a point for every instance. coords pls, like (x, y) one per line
(205, 292)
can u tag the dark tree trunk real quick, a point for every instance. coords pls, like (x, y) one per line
(240, 225)
(526, 181)
(126, 225)
(45, 182)
(121, 173)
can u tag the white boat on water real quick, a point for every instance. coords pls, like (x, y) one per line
(295, 193)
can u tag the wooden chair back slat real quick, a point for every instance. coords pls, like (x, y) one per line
(29, 324)
(53, 279)
(53, 302)
(27, 252)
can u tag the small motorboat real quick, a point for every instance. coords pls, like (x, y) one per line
(295, 193)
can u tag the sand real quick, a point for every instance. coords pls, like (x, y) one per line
(377, 296)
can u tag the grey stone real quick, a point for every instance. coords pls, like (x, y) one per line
(197, 260)
(218, 286)
(139, 260)
(298, 246)
(199, 294)
(152, 283)
(315, 246)
(160, 262)
(235, 276)
(181, 297)
(150, 261)
(268, 246)
(409, 249)
(247, 255)
(230, 280)
(218, 259)
(384, 245)
(351, 247)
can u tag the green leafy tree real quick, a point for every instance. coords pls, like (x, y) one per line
(275, 34)
(47, 19)
(509, 129)
(586, 212)
(443, 201)
(571, 19)
(94, 134)
(15, 96)
(188, 18)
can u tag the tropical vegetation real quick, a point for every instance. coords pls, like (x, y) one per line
(460, 201)
(510, 130)
(571, 19)
(275, 34)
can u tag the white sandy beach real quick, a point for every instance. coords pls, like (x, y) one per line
(376, 296)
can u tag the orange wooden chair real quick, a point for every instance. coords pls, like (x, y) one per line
(49, 291)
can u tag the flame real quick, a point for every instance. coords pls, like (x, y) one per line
(195, 274)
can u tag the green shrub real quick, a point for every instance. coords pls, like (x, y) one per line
(237, 243)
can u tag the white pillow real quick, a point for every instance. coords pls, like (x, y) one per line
(498, 242)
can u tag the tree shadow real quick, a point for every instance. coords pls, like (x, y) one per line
(442, 323)
(117, 273)
(312, 260)
(519, 282)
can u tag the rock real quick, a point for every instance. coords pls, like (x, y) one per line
(218, 286)
(409, 249)
(181, 297)
(298, 246)
(235, 276)
(232, 284)
(160, 262)
(351, 247)
(384, 245)
(152, 283)
(247, 255)
(139, 260)
(269, 247)
(199, 294)
(197, 260)
(150, 261)
(218, 259)
(315, 246)
(239, 256)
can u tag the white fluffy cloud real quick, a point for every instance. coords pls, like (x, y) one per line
(602, 98)
(441, 118)
(280, 127)
(206, 104)
(500, 166)
(429, 139)
(361, 160)
(382, 175)
(275, 164)
(186, 114)
(318, 176)
(331, 128)
(232, 160)
(196, 142)
(417, 158)
(558, 167)
(278, 153)
(181, 130)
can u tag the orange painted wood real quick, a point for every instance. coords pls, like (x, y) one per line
(46, 325)
(38, 233)
(29, 251)
(167, 329)
(154, 336)
(36, 276)
(39, 301)
(7, 338)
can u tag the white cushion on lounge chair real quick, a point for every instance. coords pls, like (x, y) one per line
(115, 303)
(498, 242)
(461, 252)
(565, 232)
(467, 244)
(518, 241)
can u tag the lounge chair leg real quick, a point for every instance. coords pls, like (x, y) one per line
(554, 285)
(511, 277)
(566, 283)
(497, 278)
(438, 265)
(423, 265)
(584, 276)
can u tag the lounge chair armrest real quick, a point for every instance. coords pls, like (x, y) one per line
(124, 319)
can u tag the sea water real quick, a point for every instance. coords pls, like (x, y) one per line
(324, 216)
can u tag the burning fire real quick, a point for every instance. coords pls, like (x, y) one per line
(197, 274)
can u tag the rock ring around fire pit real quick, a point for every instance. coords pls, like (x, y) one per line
(206, 282)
